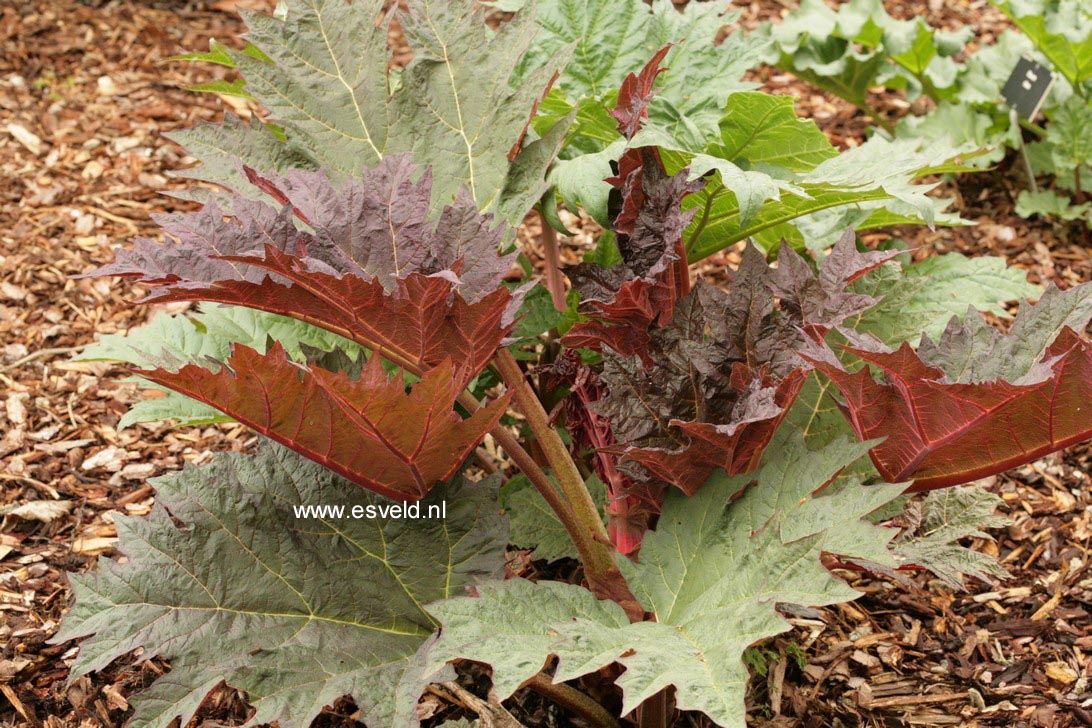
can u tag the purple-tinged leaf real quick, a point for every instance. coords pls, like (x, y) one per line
(372, 267)
(372, 227)
(822, 303)
(719, 378)
(624, 301)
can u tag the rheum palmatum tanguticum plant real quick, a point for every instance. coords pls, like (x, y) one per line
(681, 440)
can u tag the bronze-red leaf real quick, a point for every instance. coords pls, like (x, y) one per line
(370, 431)
(976, 402)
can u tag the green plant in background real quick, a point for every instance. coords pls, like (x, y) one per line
(696, 463)
(859, 46)
(1061, 33)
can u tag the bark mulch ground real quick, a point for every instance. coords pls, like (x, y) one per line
(86, 92)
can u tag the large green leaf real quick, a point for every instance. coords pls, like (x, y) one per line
(611, 38)
(1061, 29)
(773, 168)
(295, 611)
(323, 76)
(1050, 204)
(924, 297)
(712, 573)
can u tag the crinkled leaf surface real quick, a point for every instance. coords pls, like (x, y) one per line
(976, 402)
(326, 84)
(712, 574)
(367, 430)
(610, 39)
(295, 611)
(626, 298)
(923, 296)
(721, 375)
(934, 526)
(911, 298)
(373, 268)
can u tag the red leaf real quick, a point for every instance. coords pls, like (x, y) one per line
(635, 93)
(419, 325)
(626, 300)
(373, 268)
(369, 431)
(941, 432)
(737, 446)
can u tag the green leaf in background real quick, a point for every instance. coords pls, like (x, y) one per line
(1062, 30)
(582, 181)
(537, 314)
(750, 188)
(297, 612)
(923, 297)
(1046, 203)
(858, 46)
(963, 126)
(534, 524)
(220, 54)
(713, 574)
(1069, 135)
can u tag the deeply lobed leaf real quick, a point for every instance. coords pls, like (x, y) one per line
(323, 75)
(976, 402)
(726, 369)
(712, 574)
(625, 299)
(369, 430)
(203, 337)
(294, 611)
(372, 268)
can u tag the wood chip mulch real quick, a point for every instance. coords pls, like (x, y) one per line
(86, 92)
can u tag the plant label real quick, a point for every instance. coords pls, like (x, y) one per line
(1027, 86)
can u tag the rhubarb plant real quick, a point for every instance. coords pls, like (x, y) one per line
(859, 46)
(702, 453)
